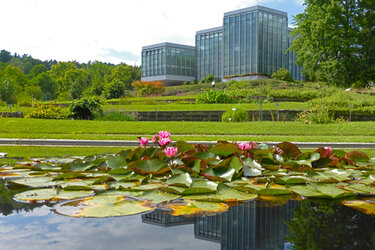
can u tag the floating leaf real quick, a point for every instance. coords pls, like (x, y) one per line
(183, 146)
(103, 206)
(224, 149)
(182, 180)
(287, 180)
(205, 155)
(121, 185)
(50, 195)
(157, 196)
(357, 156)
(364, 206)
(115, 162)
(252, 168)
(361, 189)
(290, 150)
(154, 167)
(34, 182)
(201, 187)
(274, 190)
(321, 191)
(150, 186)
(236, 164)
(224, 194)
(197, 208)
(173, 189)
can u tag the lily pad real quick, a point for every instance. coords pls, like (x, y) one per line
(196, 208)
(50, 195)
(157, 196)
(364, 206)
(225, 149)
(201, 187)
(154, 167)
(321, 191)
(34, 182)
(103, 206)
(181, 180)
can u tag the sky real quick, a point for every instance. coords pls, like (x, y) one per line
(112, 31)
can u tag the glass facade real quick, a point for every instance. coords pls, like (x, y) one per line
(168, 62)
(209, 56)
(252, 41)
(255, 41)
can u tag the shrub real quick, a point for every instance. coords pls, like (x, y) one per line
(214, 96)
(208, 79)
(317, 115)
(235, 115)
(283, 74)
(48, 111)
(114, 89)
(85, 108)
(149, 88)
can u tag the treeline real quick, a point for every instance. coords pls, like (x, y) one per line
(23, 78)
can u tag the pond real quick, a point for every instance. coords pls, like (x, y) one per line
(223, 196)
(255, 224)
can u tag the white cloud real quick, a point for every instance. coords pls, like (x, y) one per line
(86, 30)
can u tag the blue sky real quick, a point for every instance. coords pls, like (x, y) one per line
(112, 30)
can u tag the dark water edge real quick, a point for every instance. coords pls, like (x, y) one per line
(251, 225)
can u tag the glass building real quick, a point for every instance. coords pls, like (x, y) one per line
(252, 41)
(255, 41)
(209, 53)
(169, 63)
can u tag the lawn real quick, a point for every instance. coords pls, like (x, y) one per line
(197, 131)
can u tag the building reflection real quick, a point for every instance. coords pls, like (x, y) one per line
(251, 225)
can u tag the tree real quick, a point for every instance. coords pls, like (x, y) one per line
(5, 56)
(69, 79)
(121, 73)
(36, 70)
(10, 80)
(329, 40)
(46, 83)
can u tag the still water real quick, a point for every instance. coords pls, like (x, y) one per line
(252, 225)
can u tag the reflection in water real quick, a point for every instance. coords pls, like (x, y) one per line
(251, 225)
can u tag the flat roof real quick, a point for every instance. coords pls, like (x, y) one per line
(166, 44)
(253, 8)
(210, 30)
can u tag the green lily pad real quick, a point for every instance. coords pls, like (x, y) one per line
(361, 189)
(103, 206)
(201, 187)
(224, 194)
(181, 180)
(157, 196)
(121, 185)
(115, 162)
(274, 190)
(145, 187)
(290, 150)
(287, 180)
(224, 149)
(154, 167)
(50, 195)
(252, 168)
(236, 164)
(324, 191)
(173, 189)
(34, 182)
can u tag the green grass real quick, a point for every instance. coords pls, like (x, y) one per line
(257, 131)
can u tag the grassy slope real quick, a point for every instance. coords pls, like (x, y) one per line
(258, 131)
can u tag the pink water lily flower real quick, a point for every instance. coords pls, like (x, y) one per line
(329, 151)
(143, 141)
(253, 145)
(244, 146)
(170, 151)
(164, 134)
(164, 141)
